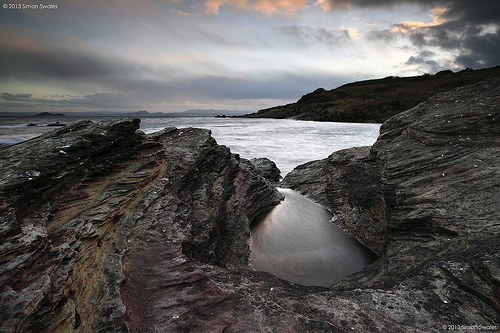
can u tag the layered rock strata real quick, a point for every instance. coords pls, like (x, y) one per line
(101, 226)
(105, 229)
(437, 167)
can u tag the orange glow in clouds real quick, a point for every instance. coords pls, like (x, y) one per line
(412, 25)
(284, 7)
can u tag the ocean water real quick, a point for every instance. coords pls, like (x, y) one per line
(287, 142)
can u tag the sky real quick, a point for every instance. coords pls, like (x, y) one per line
(176, 55)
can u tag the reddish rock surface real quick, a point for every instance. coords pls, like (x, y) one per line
(102, 225)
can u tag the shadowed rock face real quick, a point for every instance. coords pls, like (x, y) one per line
(348, 183)
(104, 229)
(441, 164)
(266, 168)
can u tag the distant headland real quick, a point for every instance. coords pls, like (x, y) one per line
(374, 100)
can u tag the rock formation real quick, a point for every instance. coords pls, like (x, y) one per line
(437, 166)
(105, 229)
(266, 168)
(348, 183)
(101, 226)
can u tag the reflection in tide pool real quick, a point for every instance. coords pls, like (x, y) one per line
(296, 241)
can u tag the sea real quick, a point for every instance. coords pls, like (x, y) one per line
(287, 142)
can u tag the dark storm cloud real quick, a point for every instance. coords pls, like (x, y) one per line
(93, 102)
(474, 12)
(17, 97)
(135, 84)
(478, 11)
(424, 58)
(477, 48)
(469, 28)
(59, 64)
(438, 37)
(142, 94)
(100, 100)
(84, 56)
(484, 50)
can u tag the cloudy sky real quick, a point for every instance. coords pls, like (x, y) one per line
(175, 55)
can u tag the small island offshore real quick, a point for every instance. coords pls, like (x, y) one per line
(107, 229)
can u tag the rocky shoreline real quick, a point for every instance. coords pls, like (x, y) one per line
(106, 229)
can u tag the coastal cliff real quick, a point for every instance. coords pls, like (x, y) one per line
(374, 100)
(105, 229)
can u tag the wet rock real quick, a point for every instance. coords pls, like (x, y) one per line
(439, 181)
(266, 168)
(106, 229)
(102, 226)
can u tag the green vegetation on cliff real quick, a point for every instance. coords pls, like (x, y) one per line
(374, 100)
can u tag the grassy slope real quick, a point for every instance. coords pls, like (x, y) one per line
(374, 100)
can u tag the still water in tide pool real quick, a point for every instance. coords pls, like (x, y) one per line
(295, 241)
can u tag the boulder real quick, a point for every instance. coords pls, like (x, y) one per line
(266, 168)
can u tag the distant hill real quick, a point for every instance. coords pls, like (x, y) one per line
(374, 100)
(188, 113)
(49, 114)
(144, 113)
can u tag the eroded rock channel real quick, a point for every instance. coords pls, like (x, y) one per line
(297, 242)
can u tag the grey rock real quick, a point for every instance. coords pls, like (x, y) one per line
(439, 183)
(102, 226)
(266, 168)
